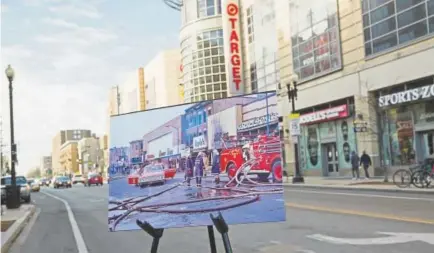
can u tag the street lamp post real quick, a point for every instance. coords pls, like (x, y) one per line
(13, 200)
(292, 96)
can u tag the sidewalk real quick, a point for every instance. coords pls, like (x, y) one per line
(375, 184)
(13, 222)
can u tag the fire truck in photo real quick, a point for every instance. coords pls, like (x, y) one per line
(265, 158)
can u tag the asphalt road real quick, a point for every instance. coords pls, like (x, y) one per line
(311, 216)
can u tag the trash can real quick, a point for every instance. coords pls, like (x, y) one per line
(13, 199)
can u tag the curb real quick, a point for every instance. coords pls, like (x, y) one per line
(16, 229)
(349, 188)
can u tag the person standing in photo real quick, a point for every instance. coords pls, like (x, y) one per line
(199, 166)
(355, 163)
(188, 165)
(215, 166)
(366, 162)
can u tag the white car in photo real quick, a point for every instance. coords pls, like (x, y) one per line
(151, 175)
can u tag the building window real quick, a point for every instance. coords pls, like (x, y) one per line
(316, 47)
(206, 8)
(250, 27)
(204, 74)
(253, 77)
(388, 24)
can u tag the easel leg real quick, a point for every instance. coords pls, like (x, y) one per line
(212, 239)
(222, 227)
(155, 233)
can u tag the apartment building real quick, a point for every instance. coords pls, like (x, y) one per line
(59, 139)
(162, 79)
(88, 154)
(366, 81)
(68, 159)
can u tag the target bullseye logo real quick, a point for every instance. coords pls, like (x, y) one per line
(232, 9)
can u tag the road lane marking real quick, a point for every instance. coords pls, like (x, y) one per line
(393, 238)
(360, 213)
(81, 245)
(361, 195)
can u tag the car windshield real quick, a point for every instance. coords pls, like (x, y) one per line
(19, 180)
(77, 176)
(154, 168)
(63, 179)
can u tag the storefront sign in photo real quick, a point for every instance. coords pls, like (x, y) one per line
(199, 142)
(333, 113)
(406, 96)
(258, 121)
(360, 126)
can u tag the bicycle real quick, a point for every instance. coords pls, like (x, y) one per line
(420, 176)
(425, 177)
(403, 178)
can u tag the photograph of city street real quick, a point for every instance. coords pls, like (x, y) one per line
(182, 163)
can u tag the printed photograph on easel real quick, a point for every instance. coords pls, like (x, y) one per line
(174, 166)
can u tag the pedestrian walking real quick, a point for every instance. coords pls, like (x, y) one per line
(365, 162)
(355, 163)
(199, 166)
(188, 165)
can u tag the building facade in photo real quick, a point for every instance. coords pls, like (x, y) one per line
(164, 141)
(119, 156)
(69, 159)
(221, 126)
(59, 139)
(162, 80)
(136, 152)
(359, 63)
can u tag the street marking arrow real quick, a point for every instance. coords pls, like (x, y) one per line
(393, 238)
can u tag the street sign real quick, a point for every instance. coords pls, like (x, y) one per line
(294, 124)
(360, 126)
(392, 238)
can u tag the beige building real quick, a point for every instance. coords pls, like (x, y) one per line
(103, 154)
(45, 165)
(365, 82)
(162, 79)
(88, 154)
(131, 92)
(59, 139)
(68, 159)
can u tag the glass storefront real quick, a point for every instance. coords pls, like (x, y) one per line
(316, 139)
(408, 133)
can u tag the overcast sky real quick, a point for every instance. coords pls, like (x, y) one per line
(66, 55)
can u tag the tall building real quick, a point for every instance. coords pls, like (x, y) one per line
(68, 159)
(366, 81)
(88, 153)
(59, 139)
(162, 80)
(131, 92)
(45, 165)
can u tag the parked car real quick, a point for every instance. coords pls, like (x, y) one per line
(78, 179)
(94, 179)
(151, 175)
(21, 182)
(62, 181)
(34, 185)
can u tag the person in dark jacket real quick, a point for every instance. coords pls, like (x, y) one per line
(355, 163)
(365, 162)
(189, 166)
(215, 165)
(199, 167)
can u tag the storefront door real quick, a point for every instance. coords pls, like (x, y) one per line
(330, 159)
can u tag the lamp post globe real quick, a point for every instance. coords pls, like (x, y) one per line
(10, 73)
(294, 78)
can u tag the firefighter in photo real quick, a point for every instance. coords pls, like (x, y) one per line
(199, 166)
(189, 167)
(215, 165)
(246, 152)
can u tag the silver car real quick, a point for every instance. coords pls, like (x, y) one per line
(25, 189)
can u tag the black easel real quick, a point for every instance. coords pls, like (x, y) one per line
(219, 223)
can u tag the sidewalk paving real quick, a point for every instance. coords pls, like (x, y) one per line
(375, 184)
(17, 219)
